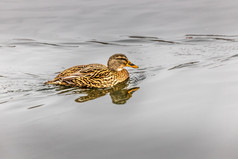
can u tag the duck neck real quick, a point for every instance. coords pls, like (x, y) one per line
(114, 68)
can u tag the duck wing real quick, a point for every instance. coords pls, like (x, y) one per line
(87, 76)
(81, 71)
(86, 71)
(94, 71)
(82, 75)
(70, 71)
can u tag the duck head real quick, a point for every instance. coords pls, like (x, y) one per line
(117, 61)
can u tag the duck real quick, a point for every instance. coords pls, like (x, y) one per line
(96, 75)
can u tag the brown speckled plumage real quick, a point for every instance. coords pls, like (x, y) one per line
(95, 75)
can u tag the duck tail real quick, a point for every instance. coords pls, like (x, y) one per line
(59, 82)
(53, 82)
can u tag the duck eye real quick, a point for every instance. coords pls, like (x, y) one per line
(122, 59)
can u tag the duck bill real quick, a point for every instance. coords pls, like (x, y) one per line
(129, 64)
(132, 90)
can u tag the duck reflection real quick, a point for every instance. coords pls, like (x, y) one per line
(119, 93)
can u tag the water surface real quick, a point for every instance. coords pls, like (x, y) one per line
(180, 103)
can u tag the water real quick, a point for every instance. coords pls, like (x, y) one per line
(180, 103)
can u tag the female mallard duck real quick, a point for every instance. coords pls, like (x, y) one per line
(96, 75)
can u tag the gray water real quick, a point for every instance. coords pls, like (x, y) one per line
(184, 100)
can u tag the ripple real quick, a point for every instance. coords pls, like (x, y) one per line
(154, 59)
(166, 41)
(189, 64)
(23, 85)
(136, 79)
(230, 57)
(128, 41)
(3, 102)
(142, 37)
(32, 42)
(36, 106)
(144, 40)
(35, 43)
(23, 39)
(104, 43)
(32, 75)
(210, 37)
(139, 75)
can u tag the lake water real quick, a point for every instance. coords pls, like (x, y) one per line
(181, 103)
